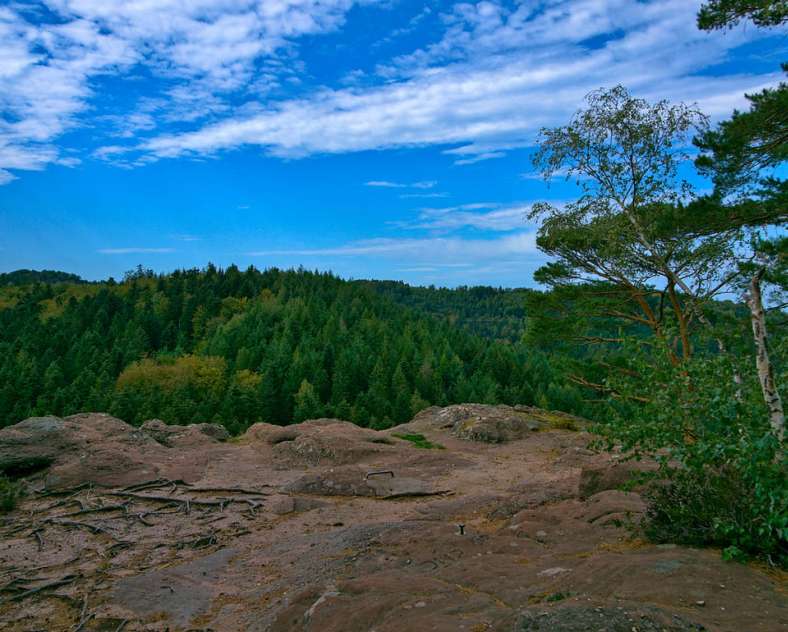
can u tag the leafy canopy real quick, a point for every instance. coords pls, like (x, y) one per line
(720, 14)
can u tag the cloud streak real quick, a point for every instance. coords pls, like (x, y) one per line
(483, 216)
(387, 184)
(454, 250)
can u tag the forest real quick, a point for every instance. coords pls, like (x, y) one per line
(238, 347)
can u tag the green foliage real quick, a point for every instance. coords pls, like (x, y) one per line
(741, 508)
(559, 596)
(636, 271)
(28, 277)
(620, 252)
(495, 313)
(737, 153)
(307, 404)
(720, 14)
(10, 493)
(726, 478)
(419, 440)
(278, 346)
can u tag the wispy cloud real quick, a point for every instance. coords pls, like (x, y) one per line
(451, 249)
(494, 79)
(484, 216)
(204, 50)
(487, 155)
(187, 237)
(434, 194)
(388, 184)
(493, 74)
(135, 251)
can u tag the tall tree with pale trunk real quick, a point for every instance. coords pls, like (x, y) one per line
(624, 153)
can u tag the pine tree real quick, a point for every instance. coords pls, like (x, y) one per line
(306, 403)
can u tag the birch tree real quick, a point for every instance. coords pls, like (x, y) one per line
(625, 156)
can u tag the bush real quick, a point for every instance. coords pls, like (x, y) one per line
(10, 493)
(724, 472)
(743, 513)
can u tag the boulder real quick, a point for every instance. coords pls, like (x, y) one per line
(320, 442)
(39, 442)
(100, 449)
(609, 507)
(477, 422)
(179, 436)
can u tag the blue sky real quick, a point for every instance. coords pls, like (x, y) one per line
(376, 138)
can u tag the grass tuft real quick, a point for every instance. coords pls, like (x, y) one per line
(420, 441)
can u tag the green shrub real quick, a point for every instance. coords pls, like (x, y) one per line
(724, 477)
(743, 512)
(10, 493)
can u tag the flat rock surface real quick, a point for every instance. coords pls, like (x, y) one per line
(323, 526)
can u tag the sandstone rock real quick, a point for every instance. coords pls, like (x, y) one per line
(355, 482)
(597, 478)
(477, 422)
(281, 505)
(496, 556)
(181, 436)
(324, 442)
(100, 449)
(610, 505)
(40, 442)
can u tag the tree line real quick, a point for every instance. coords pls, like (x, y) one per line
(237, 347)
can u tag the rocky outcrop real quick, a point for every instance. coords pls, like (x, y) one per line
(173, 436)
(513, 524)
(100, 449)
(321, 442)
(477, 422)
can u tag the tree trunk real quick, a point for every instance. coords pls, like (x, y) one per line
(765, 372)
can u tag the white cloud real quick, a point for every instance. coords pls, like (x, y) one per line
(486, 216)
(496, 78)
(450, 249)
(384, 184)
(487, 155)
(134, 250)
(207, 47)
(6, 177)
(493, 76)
(388, 184)
(434, 194)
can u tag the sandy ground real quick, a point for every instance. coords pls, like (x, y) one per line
(328, 527)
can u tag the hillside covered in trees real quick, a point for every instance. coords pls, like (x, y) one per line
(239, 347)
